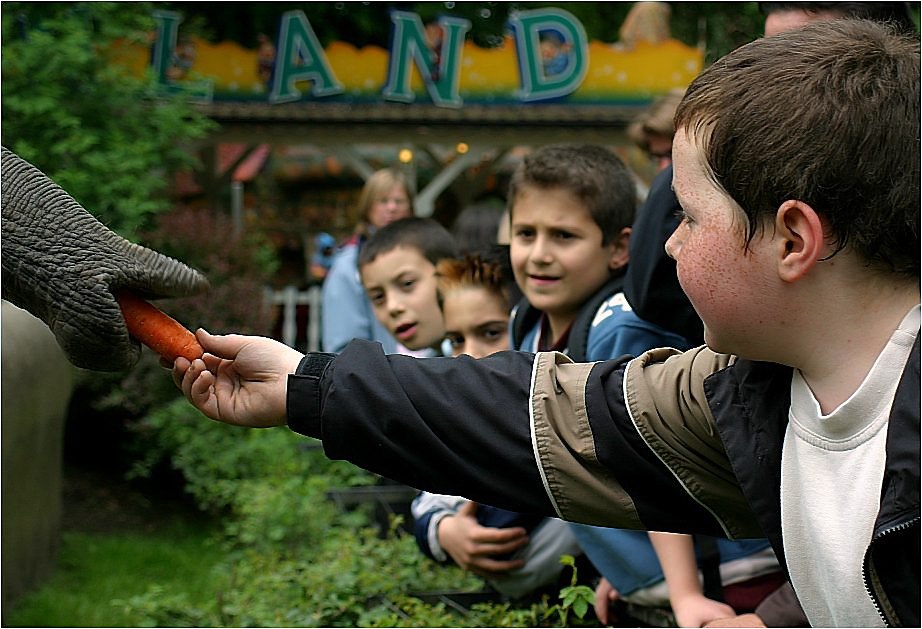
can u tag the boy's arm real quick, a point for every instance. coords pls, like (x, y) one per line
(446, 425)
(530, 433)
(691, 607)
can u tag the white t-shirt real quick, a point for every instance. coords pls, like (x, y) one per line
(831, 473)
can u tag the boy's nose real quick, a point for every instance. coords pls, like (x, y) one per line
(394, 305)
(541, 251)
(672, 244)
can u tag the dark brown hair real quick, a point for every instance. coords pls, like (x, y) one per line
(426, 235)
(827, 114)
(593, 174)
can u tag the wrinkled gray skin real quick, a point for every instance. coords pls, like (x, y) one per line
(62, 265)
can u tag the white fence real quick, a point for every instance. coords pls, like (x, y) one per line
(289, 298)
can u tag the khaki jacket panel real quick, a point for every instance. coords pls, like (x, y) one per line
(663, 391)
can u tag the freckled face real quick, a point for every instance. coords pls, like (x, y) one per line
(476, 321)
(730, 288)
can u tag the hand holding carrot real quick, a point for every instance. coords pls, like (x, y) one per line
(241, 380)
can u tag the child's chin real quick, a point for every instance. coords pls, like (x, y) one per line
(417, 346)
(411, 345)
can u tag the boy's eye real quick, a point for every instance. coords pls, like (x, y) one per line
(682, 216)
(376, 299)
(524, 232)
(406, 285)
(493, 334)
(455, 340)
(562, 235)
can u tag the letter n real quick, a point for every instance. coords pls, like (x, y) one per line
(409, 46)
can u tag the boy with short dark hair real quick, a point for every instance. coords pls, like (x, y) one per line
(796, 163)
(397, 269)
(571, 208)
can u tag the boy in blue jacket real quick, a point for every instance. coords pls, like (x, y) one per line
(797, 165)
(571, 209)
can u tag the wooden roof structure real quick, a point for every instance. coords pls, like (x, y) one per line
(496, 125)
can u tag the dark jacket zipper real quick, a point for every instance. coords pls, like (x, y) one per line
(867, 561)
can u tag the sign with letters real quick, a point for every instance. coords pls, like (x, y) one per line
(545, 58)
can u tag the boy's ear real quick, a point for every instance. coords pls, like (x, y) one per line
(799, 239)
(619, 249)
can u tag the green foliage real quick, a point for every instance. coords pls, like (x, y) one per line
(574, 597)
(265, 477)
(293, 558)
(81, 119)
(160, 607)
(95, 572)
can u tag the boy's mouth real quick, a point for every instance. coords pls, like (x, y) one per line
(542, 280)
(405, 331)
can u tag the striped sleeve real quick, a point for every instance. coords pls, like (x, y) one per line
(634, 445)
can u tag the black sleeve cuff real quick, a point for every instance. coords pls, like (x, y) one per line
(303, 400)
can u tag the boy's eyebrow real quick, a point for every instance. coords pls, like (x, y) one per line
(490, 323)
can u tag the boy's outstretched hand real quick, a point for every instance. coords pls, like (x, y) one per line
(241, 380)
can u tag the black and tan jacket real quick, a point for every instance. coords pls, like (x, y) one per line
(685, 442)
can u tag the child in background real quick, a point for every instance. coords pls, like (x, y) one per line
(397, 268)
(475, 293)
(571, 209)
(387, 196)
(518, 554)
(322, 258)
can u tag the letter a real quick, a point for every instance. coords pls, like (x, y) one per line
(300, 58)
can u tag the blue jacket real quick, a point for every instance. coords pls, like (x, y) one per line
(614, 331)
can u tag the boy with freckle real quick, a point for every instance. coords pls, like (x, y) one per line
(797, 164)
(570, 208)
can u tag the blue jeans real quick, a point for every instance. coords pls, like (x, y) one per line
(627, 559)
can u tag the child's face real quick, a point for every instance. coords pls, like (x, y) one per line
(402, 288)
(389, 207)
(476, 321)
(730, 288)
(557, 254)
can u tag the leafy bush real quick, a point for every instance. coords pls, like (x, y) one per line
(82, 119)
(272, 486)
(293, 558)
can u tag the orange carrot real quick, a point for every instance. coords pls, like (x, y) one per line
(156, 329)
